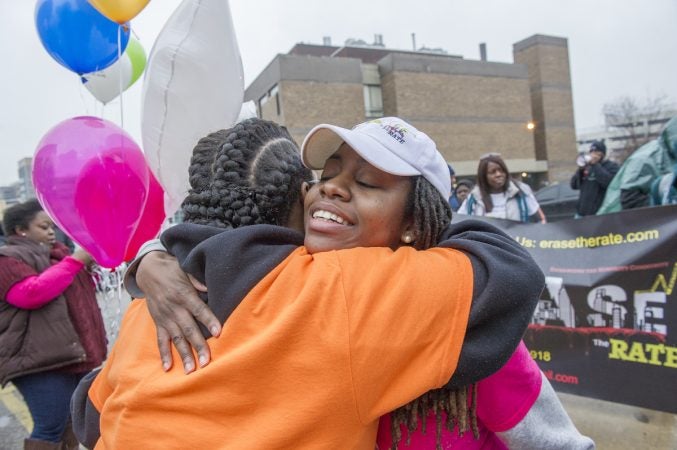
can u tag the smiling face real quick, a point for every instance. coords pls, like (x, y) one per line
(40, 229)
(496, 177)
(355, 205)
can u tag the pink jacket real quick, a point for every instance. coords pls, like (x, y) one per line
(516, 407)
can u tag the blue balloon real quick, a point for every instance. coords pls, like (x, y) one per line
(78, 36)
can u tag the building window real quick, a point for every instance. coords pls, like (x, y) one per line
(373, 100)
(275, 92)
(262, 101)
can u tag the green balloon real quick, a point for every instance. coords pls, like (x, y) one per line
(137, 55)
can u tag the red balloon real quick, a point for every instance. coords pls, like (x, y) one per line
(151, 218)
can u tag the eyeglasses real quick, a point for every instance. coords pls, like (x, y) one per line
(489, 155)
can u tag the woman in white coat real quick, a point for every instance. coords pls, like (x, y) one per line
(497, 195)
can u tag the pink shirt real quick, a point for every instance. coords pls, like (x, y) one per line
(35, 291)
(503, 400)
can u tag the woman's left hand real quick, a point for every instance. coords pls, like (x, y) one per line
(174, 304)
(82, 256)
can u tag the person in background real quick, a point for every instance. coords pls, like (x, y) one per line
(452, 201)
(452, 174)
(497, 195)
(664, 189)
(51, 329)
(592, 178)
(631, 186)
(461, 192)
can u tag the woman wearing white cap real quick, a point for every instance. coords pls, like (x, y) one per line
(330, 336)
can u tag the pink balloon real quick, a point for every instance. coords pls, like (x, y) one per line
(92, 179)
(151, 219)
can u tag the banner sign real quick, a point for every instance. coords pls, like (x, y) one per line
(606, 324)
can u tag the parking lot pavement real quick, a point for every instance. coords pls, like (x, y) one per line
(620, 427)
(15, 420)
(611, 425)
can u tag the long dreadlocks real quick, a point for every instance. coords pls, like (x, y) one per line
(432, 214)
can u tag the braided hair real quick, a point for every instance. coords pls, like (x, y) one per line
(432, 213)
(246, 175)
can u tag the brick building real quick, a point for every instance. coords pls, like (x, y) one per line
(467, 107)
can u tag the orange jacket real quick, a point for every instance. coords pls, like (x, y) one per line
(316, 351)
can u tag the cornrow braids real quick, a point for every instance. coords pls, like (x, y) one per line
(431, 214)
(249, 174)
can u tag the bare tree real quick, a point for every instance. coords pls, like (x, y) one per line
(636, 122)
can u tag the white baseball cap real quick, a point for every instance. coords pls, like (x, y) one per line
(389, 143)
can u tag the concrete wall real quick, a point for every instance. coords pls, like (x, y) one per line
(309, 103)
(304, 68)
(467, 107)
(614, 426)
(547, 60)
(311, 90)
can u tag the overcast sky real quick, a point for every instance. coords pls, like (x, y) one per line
(616, 48)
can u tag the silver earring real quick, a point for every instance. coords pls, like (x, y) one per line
(407, 239)
(23, 234)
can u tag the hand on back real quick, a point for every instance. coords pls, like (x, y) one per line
(173, 302)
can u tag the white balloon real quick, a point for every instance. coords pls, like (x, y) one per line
(248, 111)
(194, 85)
(105, 84)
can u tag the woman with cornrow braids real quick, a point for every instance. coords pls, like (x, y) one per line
(247, 175)
(287, 338)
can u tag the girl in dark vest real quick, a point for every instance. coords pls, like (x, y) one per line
(51, 329)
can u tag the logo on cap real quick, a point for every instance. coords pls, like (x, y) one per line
(395, 130)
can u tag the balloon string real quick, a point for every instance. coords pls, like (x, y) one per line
(110, 292)
(118, 298)
(122, 116)
(82, 97)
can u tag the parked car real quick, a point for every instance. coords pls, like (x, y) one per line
(558, 201)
